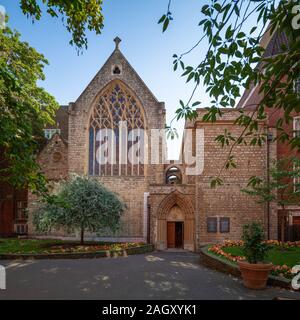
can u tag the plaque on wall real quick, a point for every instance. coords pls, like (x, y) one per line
(224, 225)
(212, 225)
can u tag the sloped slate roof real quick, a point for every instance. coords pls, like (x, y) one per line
(273, 46)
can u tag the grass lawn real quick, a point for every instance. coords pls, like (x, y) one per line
(277, 255)
(35, 246)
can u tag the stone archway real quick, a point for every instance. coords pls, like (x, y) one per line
(175, 208)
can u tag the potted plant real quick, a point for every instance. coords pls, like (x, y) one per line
(254, 270)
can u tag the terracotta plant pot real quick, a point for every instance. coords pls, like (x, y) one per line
(255, 275)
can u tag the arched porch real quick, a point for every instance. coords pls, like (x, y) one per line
(175, 219)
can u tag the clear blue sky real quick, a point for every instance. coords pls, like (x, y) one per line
(147, 49)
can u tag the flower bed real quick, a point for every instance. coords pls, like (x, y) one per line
(72, 248)
(13, 246)
(231, 250)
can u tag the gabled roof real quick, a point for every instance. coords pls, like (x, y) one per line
(273, 44)
(104, 76)
(61, 122)
(52, 140)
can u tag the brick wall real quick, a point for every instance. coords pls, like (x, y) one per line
(53, 159)
(227, 200)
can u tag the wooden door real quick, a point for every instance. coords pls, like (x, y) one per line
(179, 234)
(189, 234)
(171, 235)
(6, 217)
(161, 234)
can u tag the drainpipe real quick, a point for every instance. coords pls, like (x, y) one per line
(149, 230)
(269, 140)
(146, 218)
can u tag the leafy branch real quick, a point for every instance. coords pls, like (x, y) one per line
(235, 60)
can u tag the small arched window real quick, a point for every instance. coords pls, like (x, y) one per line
(173, 176)
(116, 70)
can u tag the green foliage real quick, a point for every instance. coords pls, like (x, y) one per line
(278, 255)
(166, 18)
(82, 204)
(25, 108)
(234, 61)
(215, 182)
(79, 16)
(254, 248)
(171, 132)
(24, 246)
(283, 186)
(53, 246)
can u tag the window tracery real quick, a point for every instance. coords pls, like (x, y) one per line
(117, 126)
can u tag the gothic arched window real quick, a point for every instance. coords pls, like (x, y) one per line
(116, 136)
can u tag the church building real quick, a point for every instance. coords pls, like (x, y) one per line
(169, 203)
(115, 132)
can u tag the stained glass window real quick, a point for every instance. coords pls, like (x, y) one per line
(116, 133)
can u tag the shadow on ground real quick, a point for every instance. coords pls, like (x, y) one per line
(163, 275)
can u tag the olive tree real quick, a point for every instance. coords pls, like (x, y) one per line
(82, 204)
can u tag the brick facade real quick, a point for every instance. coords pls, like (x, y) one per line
(13, 203)
(275, 44)
(53, 159)
(227, 200)
(149, 198)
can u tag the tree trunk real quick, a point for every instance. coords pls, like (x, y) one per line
(82, 236)
(282, 229)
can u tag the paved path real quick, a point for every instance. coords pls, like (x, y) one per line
(150, 276)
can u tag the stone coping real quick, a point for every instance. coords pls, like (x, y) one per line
(214, 262)
(80, 255)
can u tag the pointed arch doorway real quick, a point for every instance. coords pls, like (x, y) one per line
(175, 228)
(175, 223)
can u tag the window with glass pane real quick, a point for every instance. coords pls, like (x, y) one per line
(297, 85)
(224, 225)
(296, 179)
(49, 133)
(297, 126)
(21, 210)
(212, 225)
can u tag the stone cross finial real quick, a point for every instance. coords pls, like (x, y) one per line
(117, 41)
